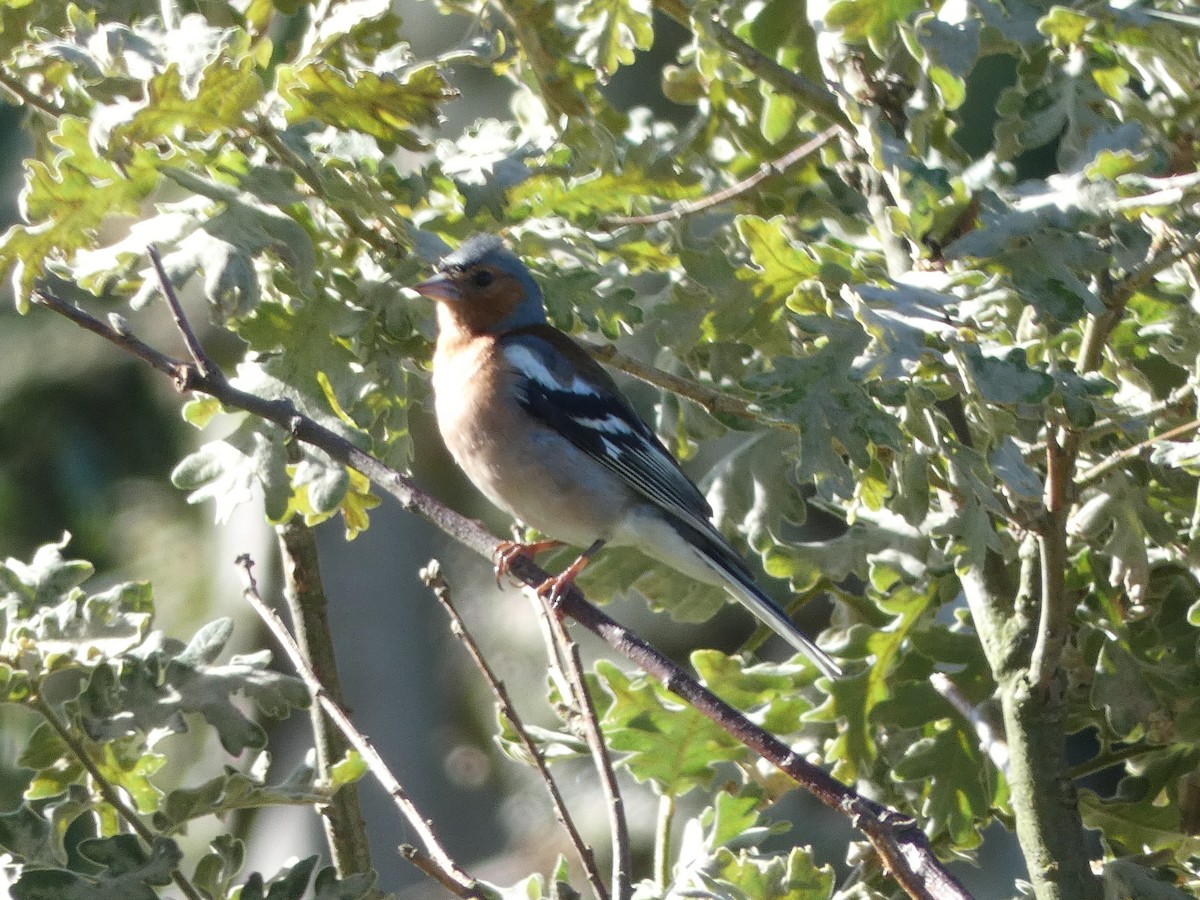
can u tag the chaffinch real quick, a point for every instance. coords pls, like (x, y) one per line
(544, 432)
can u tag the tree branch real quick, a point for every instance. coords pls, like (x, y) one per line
(28, 98)
(109, 792)
(904, 848)
(587, 720)
(715, 401)
(432, 577)
(813, 96)
(449, 872)
(1054, 623)
(1090, 476)
(683, 208)
(345, 830)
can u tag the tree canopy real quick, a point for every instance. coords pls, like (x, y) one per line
(912, 286)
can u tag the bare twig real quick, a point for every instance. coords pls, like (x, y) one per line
(1102, 468)
(813, 96)
(662, 841)
(434, 580)
(900, 842)
(1062, 454)
(425, 863)
(1054, 625)
(110, 794)
(568, 652)
(689, 207)
(194, 347)
(450, 873)
(714, 401)
(30, 99)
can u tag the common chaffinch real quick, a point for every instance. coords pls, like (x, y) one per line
(545, 433)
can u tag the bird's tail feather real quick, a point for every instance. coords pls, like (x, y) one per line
(768, 612)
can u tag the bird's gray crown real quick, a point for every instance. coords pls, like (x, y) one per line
(490, 250)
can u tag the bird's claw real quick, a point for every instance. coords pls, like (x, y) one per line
(554, 589)
(508, 552)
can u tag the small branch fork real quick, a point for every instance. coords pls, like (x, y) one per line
(900, 842)
(433, 579)
(434, 860)
(566, 654)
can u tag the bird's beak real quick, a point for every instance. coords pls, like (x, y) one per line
(439, 287)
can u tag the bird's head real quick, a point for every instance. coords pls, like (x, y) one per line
(483, 288)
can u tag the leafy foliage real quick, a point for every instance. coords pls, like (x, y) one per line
(107, 690)
(957, 348)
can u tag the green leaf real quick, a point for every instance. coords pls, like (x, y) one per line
(613, 29)
(952, 778)
(349, 769)
(232, 791)
(661, 739)
(64, 202)
(29, 838)
(328, 886)
(781, 267)
(1005, 376)
(769, 693)
(745, 874)
(128, 872)
(1064, 25)
(872, 21)
(248, 464)
(1147, 826)
(388, 106)
(162, 681)
(853, 700)
(216, 99)
(216, 870)
(42, 581)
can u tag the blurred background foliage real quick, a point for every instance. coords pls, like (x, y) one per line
(986, 226)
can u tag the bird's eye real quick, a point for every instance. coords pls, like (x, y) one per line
(482, 278)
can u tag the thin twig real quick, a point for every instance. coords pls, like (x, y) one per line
(425, 863)
(683, 208)
(662, 841)
(1102, 468)
(714, 401)
(432, 577)
(464, 884)
(30, 99)
(194, 347)
(1054, 625)
(110, 794)
(622, 861)
(905, 849)
(1114, 757)
(813, 96)
(1156, 261)
(1062, 454)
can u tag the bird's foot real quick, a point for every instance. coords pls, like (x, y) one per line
(508, 552)
(554, 589)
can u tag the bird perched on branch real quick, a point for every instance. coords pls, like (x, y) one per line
(544, 432)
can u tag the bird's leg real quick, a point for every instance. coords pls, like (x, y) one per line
(508, 552)
(555, 588)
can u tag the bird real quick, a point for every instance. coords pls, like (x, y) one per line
(545, 433)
